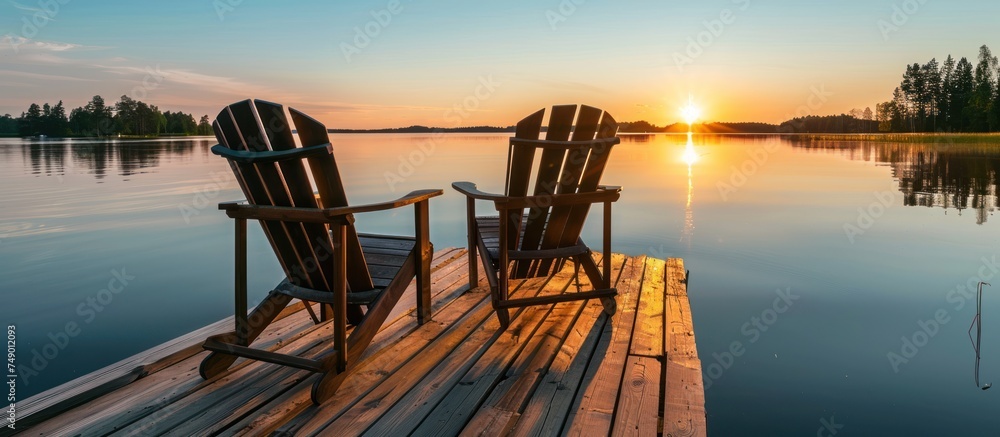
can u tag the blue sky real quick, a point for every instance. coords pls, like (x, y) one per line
(446, 63)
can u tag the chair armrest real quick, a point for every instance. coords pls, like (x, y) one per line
(606, 194)
(469, 190)
(507, 203)
(325, 215)
(244, 210)
(409, 199)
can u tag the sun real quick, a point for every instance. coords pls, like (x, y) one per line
(690, 112)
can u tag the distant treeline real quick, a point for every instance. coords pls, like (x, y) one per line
(425, 130)
(643, 126)
(833, 124)
(950, 97)
(96, 119)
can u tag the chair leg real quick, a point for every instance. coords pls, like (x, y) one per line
(500, 294)
(473, 230)
(503, 314)
(610, 305)
(425, 252)
(423, 309)
(597, 279)
(576, 275)
(326, 385)
(262, 316)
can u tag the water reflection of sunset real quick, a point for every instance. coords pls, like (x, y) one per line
(690, 157)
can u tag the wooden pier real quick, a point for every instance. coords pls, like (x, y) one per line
(564, 369)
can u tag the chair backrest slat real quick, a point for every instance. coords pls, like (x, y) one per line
(311, 240)
(519, 170)
(332, 195)
(549, 170)
(253, 189)
(561, 170)
(230, 132)
(591, 178)
(303, 249)
(569, 180)
(255, 138)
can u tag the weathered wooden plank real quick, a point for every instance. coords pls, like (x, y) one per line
(396, 387)
(594, 406)
(427, 341)
(550, 374)
(81, 392)
(285, 337)
(447, 283)
(213, 416)
(146, 395)
(233, 390)
(684, 403)
(509, 398)
(376, 398)
(647, 338)
(424, 398)
(389, 350)
(638, 410)
(450, 415)
(549, 406)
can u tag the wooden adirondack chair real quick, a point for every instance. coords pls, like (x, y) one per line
(541, 230)
(357, 279)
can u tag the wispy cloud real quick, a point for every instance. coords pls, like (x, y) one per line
(54, 46)
(31, 75)
(44, 62)
(218, 84)
(26, 8)
(20, 43)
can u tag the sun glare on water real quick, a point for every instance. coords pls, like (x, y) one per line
(690, 155)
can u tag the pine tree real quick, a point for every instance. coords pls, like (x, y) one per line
(204, 127)
(984, 88)
(961, 94)
(944, 102)
(30, 122)
(58, 124)
(931, 94)
(101, 117)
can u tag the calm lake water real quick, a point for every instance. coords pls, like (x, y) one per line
(867, 242)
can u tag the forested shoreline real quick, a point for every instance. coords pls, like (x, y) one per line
(948, 97)
(951, 97)
(126, 117)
